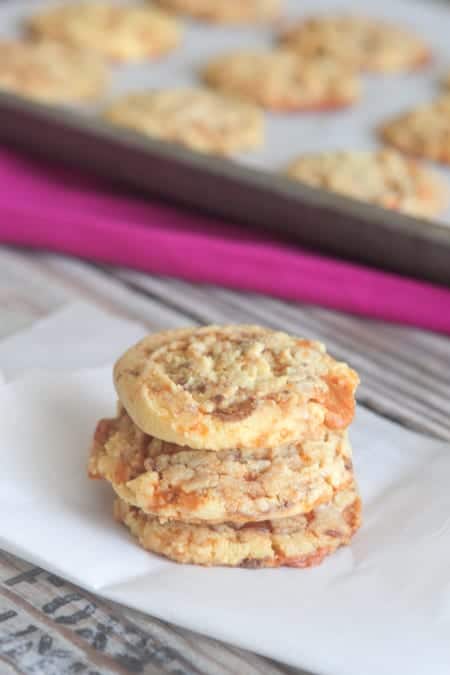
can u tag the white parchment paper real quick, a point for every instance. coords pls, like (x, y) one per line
(290, 135)
(378, 607)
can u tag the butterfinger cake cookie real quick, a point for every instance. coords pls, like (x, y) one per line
(383, 177)
(423, 132)
(119, 33)
(358, 42)
(221, 387)
(302, 541)
(282, 81)
(198, 118)
(236, 485)
(225, 11)
(50, 72)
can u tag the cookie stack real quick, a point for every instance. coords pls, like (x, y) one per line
(230, 447)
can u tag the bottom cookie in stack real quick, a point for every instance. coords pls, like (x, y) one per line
(299, 541)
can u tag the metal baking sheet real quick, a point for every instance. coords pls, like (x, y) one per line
(249, 189)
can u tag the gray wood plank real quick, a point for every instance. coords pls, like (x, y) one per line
(95, 285)
(51, 627)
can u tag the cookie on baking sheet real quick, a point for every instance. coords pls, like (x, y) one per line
(279, 80)
(359, 42)
(383, 177)
(225, 11)
(423, 131)
(176, 482)
(200, 119)
(301, 541)
(50, 72)
(120, 33)
(221, 387)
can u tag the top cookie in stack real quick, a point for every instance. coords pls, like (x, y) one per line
(233, 386)
(230, 447)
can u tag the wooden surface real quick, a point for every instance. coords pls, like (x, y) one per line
(50, 627)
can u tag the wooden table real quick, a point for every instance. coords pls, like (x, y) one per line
(50, 627)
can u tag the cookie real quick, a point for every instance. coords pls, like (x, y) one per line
(120, 33)
(358, 42)
(221, 387)
(197, 118)
(422, 132)
(178, 483)
(50, 72)
(225, 11)
(301, 541)
(383, 177)
(279, 80)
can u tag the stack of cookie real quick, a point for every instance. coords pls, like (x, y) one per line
(230, 447)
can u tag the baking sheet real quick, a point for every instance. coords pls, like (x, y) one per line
(366, 233)
(291, 134)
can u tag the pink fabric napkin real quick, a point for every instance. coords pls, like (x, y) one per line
(46, 206)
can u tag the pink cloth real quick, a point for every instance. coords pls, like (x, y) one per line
(44, 206)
